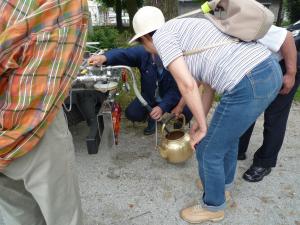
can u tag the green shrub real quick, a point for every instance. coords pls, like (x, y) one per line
(297, 95)
(292, 8)
(285, 23)
(124, 97)
(109, 37)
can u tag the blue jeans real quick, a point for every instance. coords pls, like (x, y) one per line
(237, 110)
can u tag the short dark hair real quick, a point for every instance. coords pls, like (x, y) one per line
(152, 33)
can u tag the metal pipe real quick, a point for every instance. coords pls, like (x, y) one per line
(94, 78)
(135, 88)
(90, 78)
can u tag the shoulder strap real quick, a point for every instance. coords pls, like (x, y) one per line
(205, 8)
(199, 50)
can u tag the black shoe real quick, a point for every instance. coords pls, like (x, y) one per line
(241, 156)
(256, 173)
(150, 129)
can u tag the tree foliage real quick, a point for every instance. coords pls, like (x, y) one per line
(168, 7)
(112, 3)
(292, 8)
(200, 1)
(131, 6)
(107, 3)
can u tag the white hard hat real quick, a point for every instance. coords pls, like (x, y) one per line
(146, 20)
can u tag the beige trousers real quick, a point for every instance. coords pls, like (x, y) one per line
(41, 187)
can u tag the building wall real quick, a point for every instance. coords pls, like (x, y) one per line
(94, 13)
(99, 17)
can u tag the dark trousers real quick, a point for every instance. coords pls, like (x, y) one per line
(275, 121)
(135, 111)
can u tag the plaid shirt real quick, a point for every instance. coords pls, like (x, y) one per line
(41, 48)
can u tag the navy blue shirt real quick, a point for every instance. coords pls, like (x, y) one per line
(152, 73)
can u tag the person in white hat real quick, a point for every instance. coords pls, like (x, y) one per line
(245, 74)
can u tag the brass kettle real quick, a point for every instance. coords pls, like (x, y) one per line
(175, 145)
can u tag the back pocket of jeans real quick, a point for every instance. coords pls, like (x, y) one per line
(263, 82)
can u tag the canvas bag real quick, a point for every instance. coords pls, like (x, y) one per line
(246, 20)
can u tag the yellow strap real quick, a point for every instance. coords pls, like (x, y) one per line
(205, 8)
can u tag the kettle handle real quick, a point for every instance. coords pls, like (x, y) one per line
(163, 127)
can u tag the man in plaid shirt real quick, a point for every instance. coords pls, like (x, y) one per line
(41, 46)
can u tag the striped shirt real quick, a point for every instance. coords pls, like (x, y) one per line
(41, 48)
(222, 67)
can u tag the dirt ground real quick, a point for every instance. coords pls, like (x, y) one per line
(131, 184)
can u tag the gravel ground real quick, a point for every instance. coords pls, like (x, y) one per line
(131, 184)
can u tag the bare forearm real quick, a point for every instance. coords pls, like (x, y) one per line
(289, 53)
(181, 104)
(189, 90)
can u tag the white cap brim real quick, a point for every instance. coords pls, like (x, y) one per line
(137, 36)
